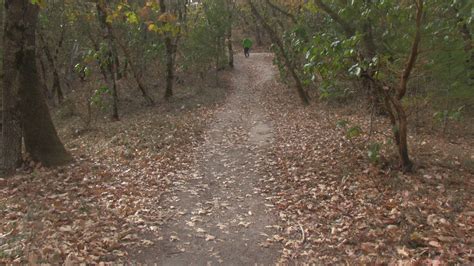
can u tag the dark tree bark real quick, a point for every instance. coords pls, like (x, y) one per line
(14, 42)
(57, 80)
(44, 77)
(170, 50)
(169, 67)
(118, 71)
(2, 170)
(52, 60)
(24, 103)
(230, 49)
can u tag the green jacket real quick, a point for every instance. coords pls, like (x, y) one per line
(247, 43)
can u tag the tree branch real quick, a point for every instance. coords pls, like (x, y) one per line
(277, 8)
(348, 29)
(414, 51)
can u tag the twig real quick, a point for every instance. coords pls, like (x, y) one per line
(303, 235)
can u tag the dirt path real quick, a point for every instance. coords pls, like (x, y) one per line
(217, 213)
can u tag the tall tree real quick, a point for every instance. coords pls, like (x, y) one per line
(112, 57)
(14, 42)
(170, 50)
(25, 111)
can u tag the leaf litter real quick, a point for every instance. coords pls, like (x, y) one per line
(333, 206)
(349, 211)
(98, 208)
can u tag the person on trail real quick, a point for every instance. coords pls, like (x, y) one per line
(247, 43)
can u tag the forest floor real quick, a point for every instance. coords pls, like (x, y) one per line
(241, 177)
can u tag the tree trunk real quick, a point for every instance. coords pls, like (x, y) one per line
(398, 114)
(115, 114)
(44, 76)
(57, 80)
(24, 99)
(258, 35)
(405, 162)
(70, 69)
(169, 49)
(14, 42)
(217, 60)
(124, 71)
(2, 170)
(118, 71)
(230, 49)
(169, 68)
(112, 58)
(52, 59)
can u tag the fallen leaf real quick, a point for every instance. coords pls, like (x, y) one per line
(210, 237)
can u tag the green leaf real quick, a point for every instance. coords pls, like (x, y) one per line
(40, 3)
(132, 18)
(354, 131)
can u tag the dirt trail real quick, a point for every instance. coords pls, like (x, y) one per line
(217, 213)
